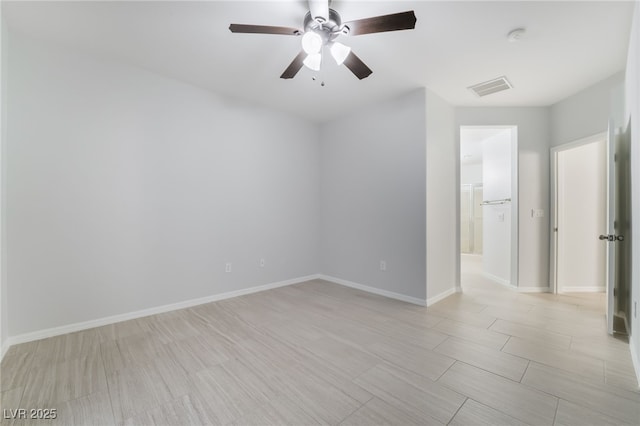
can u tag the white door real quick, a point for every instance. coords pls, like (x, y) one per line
(618, 235)
(581, 213)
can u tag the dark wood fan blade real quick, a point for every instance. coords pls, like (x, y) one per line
(263, 29)
(380, 24)
(357, 67)
(294, 66)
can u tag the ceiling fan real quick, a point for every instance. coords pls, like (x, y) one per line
(322, 26)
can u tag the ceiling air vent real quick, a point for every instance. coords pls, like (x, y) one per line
(492, 86)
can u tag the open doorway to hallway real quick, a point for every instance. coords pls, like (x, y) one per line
(488, 205)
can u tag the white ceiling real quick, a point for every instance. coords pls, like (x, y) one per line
(567, 47)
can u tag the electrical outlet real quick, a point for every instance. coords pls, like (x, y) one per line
(537, 213)
(383, 265)
(262, 263)
(227, 267)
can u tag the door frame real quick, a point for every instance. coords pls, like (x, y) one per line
(515, 218)
(472, 214)
(553, 223)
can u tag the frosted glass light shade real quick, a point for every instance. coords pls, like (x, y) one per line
(311, 42)
(313, 61)
(339, 52)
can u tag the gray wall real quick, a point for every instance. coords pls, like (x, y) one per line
(632, 114)
(130, 191)
(373, 196)
(587, 113)
(533, 183)
(442, 190)
(4, 320)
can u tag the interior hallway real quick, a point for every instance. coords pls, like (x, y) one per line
(320, 353)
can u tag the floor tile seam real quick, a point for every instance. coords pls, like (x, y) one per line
(388, 361)
(536, 328)
(525, 371)
(464, 325)
(484, 347)
(596, 357)
(555, 413)
(574, 401)
(445, 372)
(470, 398)
(408, 384)
(458, 410)
(498, 410)
(592, 408)
(410, 372)
(512, 335)
(434, 349)
(529, 387)
(581, 375)
(359, 376)
(454, 314)
(362, 404)
(589, 381)
(617, 419)
(489, 371)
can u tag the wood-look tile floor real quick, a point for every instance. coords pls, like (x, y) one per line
(319, 353)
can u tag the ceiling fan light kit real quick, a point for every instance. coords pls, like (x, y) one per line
(339, 52)
(312, 42)
(313, 61)
(322, 26)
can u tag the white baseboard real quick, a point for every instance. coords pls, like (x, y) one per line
(443, 295)
(582, 290)
(634, 358)
(497, 279)
(534, 289)
(508, 285)
(70, 328)
(374, 290)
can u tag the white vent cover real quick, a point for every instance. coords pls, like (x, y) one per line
(492, 86)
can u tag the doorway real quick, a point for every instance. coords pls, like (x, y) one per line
(608, 177)
(471, 218)
(579, 209)
(488, 205)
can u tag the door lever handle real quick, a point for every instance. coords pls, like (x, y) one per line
(611, 238)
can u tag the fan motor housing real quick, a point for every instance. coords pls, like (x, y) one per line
(329, 29)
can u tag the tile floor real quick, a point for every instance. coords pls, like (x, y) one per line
(319, 353)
